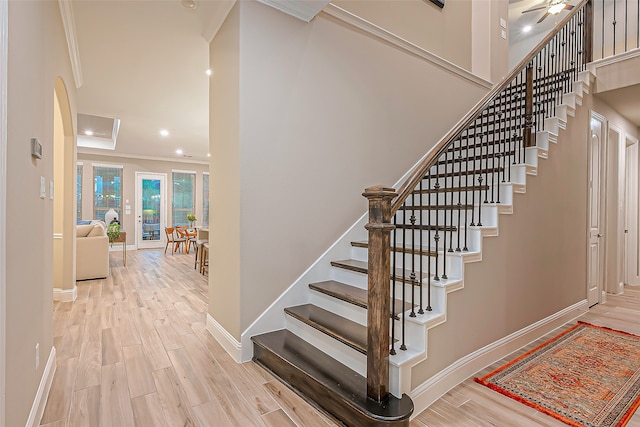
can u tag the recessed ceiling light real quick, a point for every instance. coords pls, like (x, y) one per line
(164, 132)
(178, 151)
(88, 132)
(208, 154)
(526, 29)
(208, 71)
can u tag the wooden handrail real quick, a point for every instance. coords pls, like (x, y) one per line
(423, 167)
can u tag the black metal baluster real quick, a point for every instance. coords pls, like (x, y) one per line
(626, 11)
(429, 242)
(412, 276)
(393, 289)
(403, 345)
(459, 189)
(473, 177)
(420, 310)
(614, 23)
(466, 194)
(436, 237)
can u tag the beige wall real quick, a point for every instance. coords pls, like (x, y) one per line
(324, 112)
(130, 167)
(533, 269)
(37, 54)
(224, 129)
(445, 32)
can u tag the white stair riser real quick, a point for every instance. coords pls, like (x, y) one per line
(339, 307)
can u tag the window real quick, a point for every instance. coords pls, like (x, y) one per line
(205, 199)
(107, 190)
(182, 197)
(79, 191)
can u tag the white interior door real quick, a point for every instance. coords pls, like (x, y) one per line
(151, 209)
(631, 240)
(595, 254)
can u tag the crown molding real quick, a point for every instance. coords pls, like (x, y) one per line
(305, 10)
(69, 23)
(142, 157)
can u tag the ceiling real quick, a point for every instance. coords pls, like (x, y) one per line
(145, 62)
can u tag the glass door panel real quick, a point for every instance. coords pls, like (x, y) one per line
(151, 210)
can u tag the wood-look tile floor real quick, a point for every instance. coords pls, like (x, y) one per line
(133, 350)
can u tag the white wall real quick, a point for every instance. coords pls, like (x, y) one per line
(37, 55)
(324, 112)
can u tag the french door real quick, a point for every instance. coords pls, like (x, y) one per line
(151, 209)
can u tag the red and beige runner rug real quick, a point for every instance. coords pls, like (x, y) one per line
(587, 376)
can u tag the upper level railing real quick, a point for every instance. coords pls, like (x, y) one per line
(438, 211)
(616, 27)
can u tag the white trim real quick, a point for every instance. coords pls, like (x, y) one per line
(40, 401)
(205, 173)
(184, 171)
(4, 59)
(79, 164)
(69, 24)
(615, 59)
(226, 340)
(57, 236)
(65, 295)
(435, 387)
(376, 31)
(107, 165)
(142, 157)
(303, 10)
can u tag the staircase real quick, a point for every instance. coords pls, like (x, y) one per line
(350, 348)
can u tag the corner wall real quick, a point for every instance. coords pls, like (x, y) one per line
(324, 111)
(37, 55)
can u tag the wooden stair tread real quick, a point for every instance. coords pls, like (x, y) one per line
(399, 248)
(451, 189)
(344, 330)
(352, 295)
(338, 389)
(363, 267)
(434, 207)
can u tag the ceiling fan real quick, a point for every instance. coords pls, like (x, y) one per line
(553, 7)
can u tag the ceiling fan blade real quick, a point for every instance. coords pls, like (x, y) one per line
(543, 18)
(568, 6)
(535, 8)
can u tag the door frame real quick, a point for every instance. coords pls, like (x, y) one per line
(4, 59)
(631, 165)
(603, 203)
(163, 208)
(615, 209)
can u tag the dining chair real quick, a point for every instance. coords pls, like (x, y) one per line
(172, 239)
(189, 237)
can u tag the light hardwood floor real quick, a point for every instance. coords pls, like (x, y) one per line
(133, 350)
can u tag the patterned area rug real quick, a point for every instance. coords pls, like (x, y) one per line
(586, 376)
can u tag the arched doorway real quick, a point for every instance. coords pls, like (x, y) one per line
(64, 197)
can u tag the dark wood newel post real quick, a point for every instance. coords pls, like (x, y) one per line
(588, 32)
(528, 107)
(379, 305)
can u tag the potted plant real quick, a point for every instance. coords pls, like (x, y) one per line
(191, 218)
(113, 231)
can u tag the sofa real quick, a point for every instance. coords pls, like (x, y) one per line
(92, 251)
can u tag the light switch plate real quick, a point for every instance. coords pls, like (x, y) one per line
(43, 187)
(504, 34)
(503, 23)
(51, 190)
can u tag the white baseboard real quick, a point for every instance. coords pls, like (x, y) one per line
(65, 295)
(226, 340)
(434, 388)
(40, 401)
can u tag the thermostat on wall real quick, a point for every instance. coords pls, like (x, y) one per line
(36, 148)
